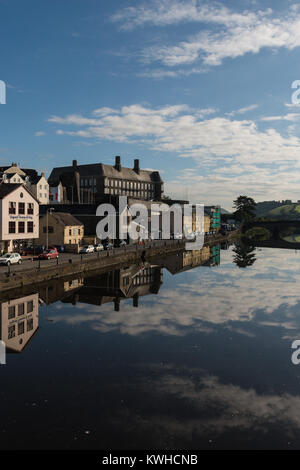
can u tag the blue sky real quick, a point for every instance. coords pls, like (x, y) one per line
(199, 90)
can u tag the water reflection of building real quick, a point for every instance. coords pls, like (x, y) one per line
(58, 290)
(183, 261)
(19, 320)
(114, 286)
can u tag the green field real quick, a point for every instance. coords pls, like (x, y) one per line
(289, 212)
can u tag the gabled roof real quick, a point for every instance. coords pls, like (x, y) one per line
(66, 219)
(9, 176)
(13, 170)
(7, 188)
(34, 179)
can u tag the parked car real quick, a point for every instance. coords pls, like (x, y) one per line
(99, 247)
(10, 258)
(49, 254)
(108, 245)
(87, 249)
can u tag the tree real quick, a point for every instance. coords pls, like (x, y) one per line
(245, 208)
(244, 255)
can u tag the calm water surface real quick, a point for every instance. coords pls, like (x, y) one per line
(156, 358)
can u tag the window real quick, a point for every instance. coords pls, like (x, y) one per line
(21, 227)
(20, 310)
(30, 227)
(41, 195)
(12, 207)
(30, 306)
(79, 231)
(11, 227)
(11, 312)
(11, 331)
(30, 324)
(41, 186)
(30, 208)
(74, 231)
(21, 207)
(21, 328)
(70, 232)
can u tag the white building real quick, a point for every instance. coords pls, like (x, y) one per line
(40, 188)
(19, 216)
(37, 184)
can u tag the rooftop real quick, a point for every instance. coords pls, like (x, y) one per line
(101, 169)
(66, 219)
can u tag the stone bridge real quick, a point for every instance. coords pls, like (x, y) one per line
(276, 227)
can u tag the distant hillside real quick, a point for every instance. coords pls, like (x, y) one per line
(266, 206)
(288, 212)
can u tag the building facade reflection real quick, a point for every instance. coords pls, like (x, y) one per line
(19, 320)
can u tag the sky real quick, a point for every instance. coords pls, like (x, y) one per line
(199, 90)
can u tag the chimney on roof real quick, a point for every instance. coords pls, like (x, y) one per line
(14, 164)
(42, 174)
(137, 166)
(74, 163)
(118, 163)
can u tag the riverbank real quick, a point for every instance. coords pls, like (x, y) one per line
(33, 273)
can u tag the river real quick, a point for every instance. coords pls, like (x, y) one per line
(192, 351)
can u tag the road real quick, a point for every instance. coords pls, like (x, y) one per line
(29, 263)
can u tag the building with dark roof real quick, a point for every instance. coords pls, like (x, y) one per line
(90, 183)
(19, 216)
(37, 184)
(61, 228)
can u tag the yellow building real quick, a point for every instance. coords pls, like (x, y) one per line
(60, 228)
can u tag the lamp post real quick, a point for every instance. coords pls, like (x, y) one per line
(47, 234)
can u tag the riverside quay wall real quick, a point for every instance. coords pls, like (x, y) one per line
(35, 272)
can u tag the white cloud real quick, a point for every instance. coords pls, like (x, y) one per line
(244, 110)
(231, 155)
(286, 117)
(186, 131)
(237, 34)
(172, 12)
